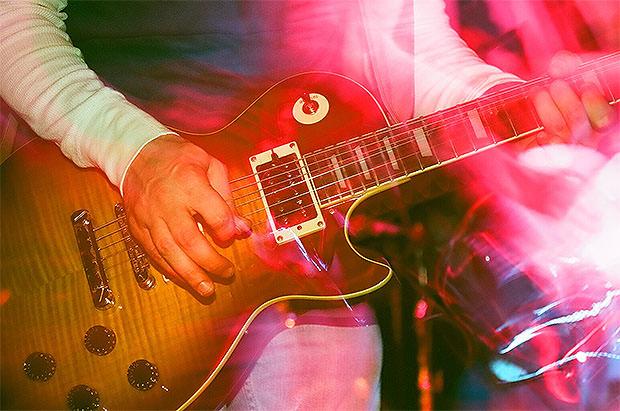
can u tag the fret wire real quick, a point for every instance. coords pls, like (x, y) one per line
(381, 152)
(401, 168)
(337, 181)
(359, 152)
(355, 164)
(470, 126)
(341, 171)
(373, 169)
(439, 136)
(426, 137)
(452, 144)
(319, 159)
(394, 147)
(419, 157)
(514, 129)
(400, 144)
(412, 140)
(449, 137)
(303, 159)
(487, 125)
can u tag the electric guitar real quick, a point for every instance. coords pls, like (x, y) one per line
(86, 322)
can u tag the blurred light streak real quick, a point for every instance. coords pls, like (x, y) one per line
(577, 316)
(510, 372)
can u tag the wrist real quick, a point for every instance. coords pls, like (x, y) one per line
(144, 149)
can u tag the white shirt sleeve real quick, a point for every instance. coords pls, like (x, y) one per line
(428, 70)
(46, 81)
(447, 71)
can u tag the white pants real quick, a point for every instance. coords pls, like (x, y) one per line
(316, 367)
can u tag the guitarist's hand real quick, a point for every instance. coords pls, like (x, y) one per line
(169, 183)
(570, 114)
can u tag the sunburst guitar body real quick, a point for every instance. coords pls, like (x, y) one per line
(86, 323)
(77, 335)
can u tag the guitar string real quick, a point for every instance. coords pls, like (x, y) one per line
(261, 209)
(353, 193)
(108, 223)
(428, 126)
(366, 138)
(353, 196)
(378, 149)
(122, 239)
(348, 197)
(387, 130)
(329, 168)
(522, 89)
(442, 125)
(600, 63)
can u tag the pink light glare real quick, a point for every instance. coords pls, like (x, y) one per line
(554, 220)
(421, 309)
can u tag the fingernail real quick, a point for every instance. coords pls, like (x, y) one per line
(242, 226)
(205, 288)
(602, 122)
(230, 271)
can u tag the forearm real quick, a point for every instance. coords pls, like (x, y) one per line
(44, 78)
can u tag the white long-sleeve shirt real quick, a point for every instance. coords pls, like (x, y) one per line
(46, 80)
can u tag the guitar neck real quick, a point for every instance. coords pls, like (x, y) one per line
(351, 168)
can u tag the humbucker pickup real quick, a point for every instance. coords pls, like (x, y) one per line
(286, 191)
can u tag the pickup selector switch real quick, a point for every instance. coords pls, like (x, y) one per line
(100, 340)
(83, 397)
(40, 366)
(142, 375)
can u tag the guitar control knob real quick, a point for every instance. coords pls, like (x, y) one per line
(100, 340)
(142, 375)
(40, 366)
(83, 397)
(310, 108)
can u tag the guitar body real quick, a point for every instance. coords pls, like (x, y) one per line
(46, 305)
(162, 347)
